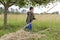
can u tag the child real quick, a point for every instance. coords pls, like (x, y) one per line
(30, 18)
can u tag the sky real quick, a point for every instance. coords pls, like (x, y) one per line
(40, 9)
(56, 8)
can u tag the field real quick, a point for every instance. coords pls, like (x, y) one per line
(42, 22)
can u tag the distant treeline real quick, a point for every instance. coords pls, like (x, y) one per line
(23, 11)
(16, 11)
(56, 12)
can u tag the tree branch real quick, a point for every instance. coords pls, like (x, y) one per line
(1, 2)
(12, 3)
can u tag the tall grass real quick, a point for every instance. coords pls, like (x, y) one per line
(42, 22)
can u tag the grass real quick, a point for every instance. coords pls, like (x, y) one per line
(42, 22)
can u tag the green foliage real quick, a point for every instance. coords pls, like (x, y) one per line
(40, 2)
(22, 3)
(9, 3)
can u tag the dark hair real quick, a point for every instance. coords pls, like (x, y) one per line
(31, 8)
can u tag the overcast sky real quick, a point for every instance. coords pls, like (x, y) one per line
(39, 9)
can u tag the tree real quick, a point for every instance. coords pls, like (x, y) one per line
(7, 4)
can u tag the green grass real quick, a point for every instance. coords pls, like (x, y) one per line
(42, 22)
(52, 34)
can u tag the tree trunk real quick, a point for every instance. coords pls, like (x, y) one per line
(5, 17)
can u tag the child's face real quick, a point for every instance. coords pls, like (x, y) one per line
(32, 10)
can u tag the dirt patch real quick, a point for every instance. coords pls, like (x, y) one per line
(21, 35)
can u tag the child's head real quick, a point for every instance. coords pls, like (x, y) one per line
(31, 9)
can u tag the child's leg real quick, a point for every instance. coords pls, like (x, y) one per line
(30, 26)
(27, 27)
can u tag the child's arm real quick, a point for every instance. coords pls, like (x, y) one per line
(34, 17)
